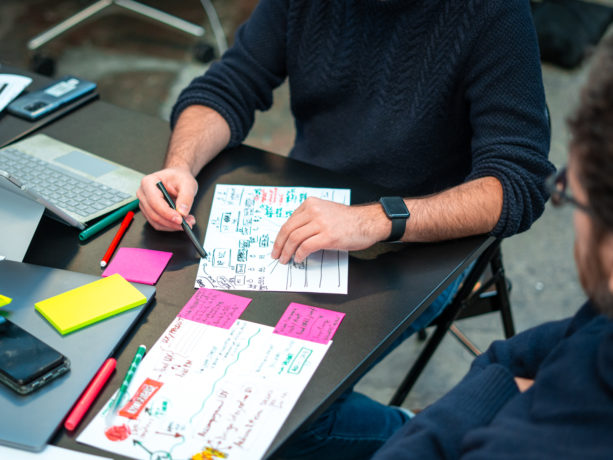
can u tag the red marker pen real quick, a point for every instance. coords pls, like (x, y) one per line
(90, 394)
(122, 229)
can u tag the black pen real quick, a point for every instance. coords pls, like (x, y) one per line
(186, 227)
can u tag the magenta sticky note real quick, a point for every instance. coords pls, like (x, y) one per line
(215, 308)
(309, 323)
(138, 265)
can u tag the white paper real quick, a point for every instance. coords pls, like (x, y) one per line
(220, 391)
(242, 228)
(12, 86)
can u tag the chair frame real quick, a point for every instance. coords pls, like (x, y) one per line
(470, 300)
(101, 6)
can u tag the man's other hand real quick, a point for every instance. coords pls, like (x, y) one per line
(523, 384)
(320, 224)
(182, 187)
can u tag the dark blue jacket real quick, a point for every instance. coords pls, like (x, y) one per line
(414, 96)
(566, 414)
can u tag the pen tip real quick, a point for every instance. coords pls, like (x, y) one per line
(102, 264)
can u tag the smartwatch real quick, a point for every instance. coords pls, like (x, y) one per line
(397, 212)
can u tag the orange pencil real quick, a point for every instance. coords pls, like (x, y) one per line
(122, 229)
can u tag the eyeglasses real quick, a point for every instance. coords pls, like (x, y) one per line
(557, 185)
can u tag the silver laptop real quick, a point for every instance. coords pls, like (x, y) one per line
(75, 186)
(19, 218)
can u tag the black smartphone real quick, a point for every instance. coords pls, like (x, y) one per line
(26, 362)
(37, 104)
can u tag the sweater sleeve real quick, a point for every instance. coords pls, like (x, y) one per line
(437, 432)
(244, 78)
(508, 113)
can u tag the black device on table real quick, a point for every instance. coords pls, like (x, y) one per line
(37, 104)
(26, 362)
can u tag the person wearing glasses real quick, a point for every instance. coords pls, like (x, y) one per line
(546, 393)
(440, 104)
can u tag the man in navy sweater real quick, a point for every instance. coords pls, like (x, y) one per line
(546, 393)
(440, 103)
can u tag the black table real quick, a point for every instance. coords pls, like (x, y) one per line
(389, 284)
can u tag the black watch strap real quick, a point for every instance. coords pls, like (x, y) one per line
(398, 227)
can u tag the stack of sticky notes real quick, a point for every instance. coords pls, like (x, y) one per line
(4, 300)
(138, 265)
(90, 303)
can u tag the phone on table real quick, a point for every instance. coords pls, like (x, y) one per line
(37, 104)
(26, 362)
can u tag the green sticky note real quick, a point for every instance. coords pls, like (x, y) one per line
(4, 300)
(90, 303)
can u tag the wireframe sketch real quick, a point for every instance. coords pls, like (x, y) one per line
(242, 228)
(207, 392)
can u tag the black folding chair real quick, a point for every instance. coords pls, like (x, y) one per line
(484, 290)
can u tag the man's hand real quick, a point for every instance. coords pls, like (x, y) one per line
(319, 224)
(181, 185)
(199, 134)
(523, 384)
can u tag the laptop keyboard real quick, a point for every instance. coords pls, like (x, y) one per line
(66, 190)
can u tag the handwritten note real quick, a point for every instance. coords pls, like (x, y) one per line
(138, 265)
(214, 308)
(242, 228)
(208, 392)
(309, 323)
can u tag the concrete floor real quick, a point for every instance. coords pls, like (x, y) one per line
(143, 66)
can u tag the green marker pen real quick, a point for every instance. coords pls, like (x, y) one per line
(108, 220)
(126, 382)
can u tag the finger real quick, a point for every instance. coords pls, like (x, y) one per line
(183, 193)
(191, 220)
(153, 219)
(295, 221)
(154, 207)
(159, 205)
(295, 239)
(310, 245)
(156, 221)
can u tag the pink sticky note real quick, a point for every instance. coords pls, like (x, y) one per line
(215, 308)
(138, 265)
(309, 323)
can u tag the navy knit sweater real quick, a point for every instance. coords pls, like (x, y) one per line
(566, 414)
(415, 97)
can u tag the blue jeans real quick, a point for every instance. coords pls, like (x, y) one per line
(355, 426)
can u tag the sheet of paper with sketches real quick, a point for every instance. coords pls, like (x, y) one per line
(201, 389)
(242, 228)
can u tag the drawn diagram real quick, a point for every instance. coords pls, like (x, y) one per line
(242, 228)
(206, 392)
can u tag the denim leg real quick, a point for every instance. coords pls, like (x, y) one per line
(355, 426)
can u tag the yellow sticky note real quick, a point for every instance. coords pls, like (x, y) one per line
(90, 303)
(4, 300)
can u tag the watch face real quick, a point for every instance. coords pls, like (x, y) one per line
(394, 207)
